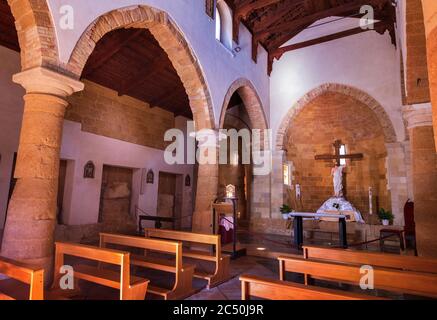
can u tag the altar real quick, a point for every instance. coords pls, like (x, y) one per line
(298, 226)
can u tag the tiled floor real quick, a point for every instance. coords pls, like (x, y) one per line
(231, 290)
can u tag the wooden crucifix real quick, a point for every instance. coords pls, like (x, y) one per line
(338, 156)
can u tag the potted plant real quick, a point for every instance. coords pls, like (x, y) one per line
(385, 216)
(285, 210)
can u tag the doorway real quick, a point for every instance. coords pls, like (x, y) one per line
(170, 198)
(115, 200)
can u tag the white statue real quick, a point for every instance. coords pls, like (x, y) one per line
(337, 174)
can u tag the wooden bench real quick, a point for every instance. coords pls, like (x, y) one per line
(221, 272)
(281, 290)
(422, 284)
(131, 287)
(183, 286)
(376, 259)
(25, 274)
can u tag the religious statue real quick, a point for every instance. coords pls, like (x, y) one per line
(337, 174)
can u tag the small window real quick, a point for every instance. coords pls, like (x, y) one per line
(342, 153)
(223, 24)
(286, 174)
(218, 25)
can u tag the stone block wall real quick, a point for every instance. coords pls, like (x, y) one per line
(312, 132)
(417, 83)
(101, 111)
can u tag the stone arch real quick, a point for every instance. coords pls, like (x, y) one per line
(363, 97)
(172, 41)
(432, 73)
(251, 101)
(36, 33)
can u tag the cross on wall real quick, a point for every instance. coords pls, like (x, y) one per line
(337, 156)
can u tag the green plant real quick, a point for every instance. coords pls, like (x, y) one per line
(385, 214)
(285, 209)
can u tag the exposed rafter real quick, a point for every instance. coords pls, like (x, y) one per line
(110, 51)
(143, 74)
(273, 23)
(280, 51)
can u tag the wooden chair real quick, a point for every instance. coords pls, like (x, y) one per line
(422, 284)
(131, 287)
(376, 259)
(183, 286)
(282, 290)
(221, 272)
(32, 276)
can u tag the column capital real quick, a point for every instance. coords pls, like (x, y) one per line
(42, 80)
(418, 115)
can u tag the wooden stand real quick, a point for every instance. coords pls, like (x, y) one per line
(225, 208)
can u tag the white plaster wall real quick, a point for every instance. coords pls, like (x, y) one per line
(367, 61)
(220, 67)
(82, 196)
(11, 113)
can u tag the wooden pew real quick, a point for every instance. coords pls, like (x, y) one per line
(422, 284)
(131, 287)
(375, 259)
(23, 273)
(221, 273)
(183, 286)
(282, 290)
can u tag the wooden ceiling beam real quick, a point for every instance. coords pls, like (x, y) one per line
(296, 24)
(248, 7)
(156, 102)
(242, 9)
(112, 50)
(273, 17)
(144, 73)
(378, 26)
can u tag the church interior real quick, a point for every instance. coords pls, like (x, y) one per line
(218, 149)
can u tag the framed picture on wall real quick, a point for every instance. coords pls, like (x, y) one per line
(150, 178)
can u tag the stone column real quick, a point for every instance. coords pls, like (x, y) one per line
(31, 217)
(430, 19)
(207, 181)
(397, 179)
(424, 173)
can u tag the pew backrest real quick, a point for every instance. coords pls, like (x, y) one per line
(209, 239)
(281, 290)
(114, 257)
(375, 259)
(423, 284)
(165, 246)
(34, 277)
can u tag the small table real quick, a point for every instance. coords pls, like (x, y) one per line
(298, 226)
(157, 220)
(383, 233)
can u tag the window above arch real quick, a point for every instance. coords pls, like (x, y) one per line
(223, 24)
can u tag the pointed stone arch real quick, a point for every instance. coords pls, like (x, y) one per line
(251, 101)
(36, 33)
(260, 192)
(361, 96)
(172, 41)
